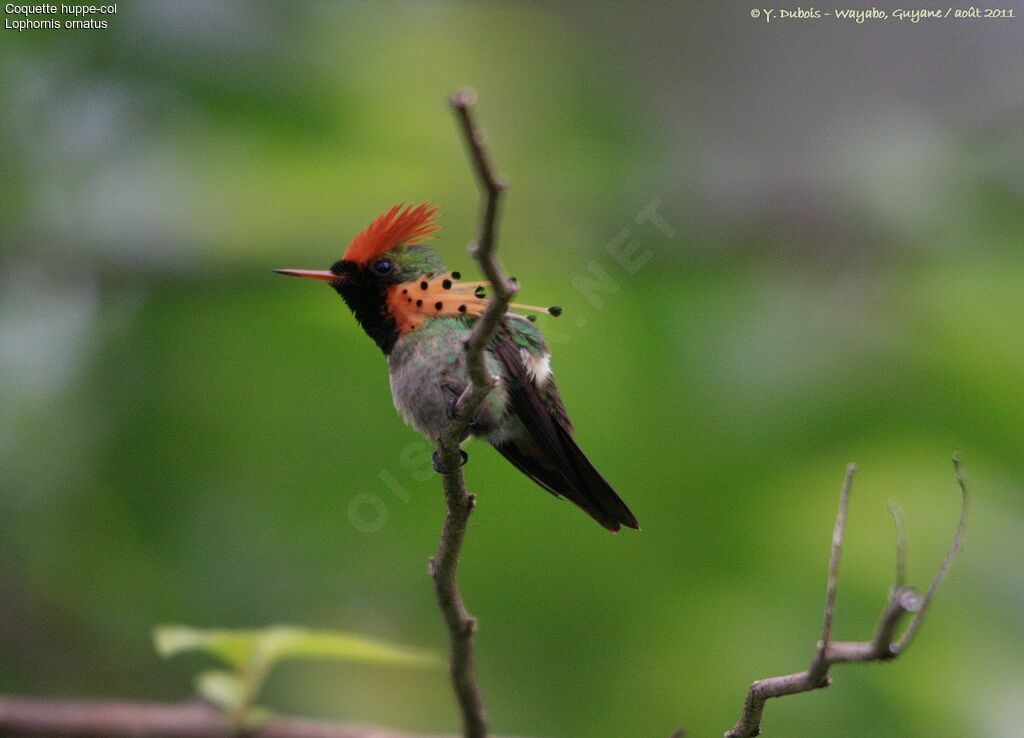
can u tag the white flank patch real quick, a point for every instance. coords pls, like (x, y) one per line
(538, 368)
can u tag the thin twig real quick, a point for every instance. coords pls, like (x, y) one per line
(818, 670)
(23, 717)
(460, 503)
(900, 524)
(882, 646)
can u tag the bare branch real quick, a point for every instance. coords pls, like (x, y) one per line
(902, 600)
(483, 250)
(459, 502)
(20, 717)
(443, 569)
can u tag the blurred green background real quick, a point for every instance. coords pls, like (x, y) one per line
(836, 275)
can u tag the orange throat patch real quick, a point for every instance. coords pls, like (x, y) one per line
(440, 295)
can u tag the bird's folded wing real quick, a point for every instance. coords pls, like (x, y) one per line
(548, 454)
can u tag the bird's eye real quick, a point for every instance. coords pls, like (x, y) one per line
(383, 267)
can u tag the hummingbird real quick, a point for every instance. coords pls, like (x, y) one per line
(420, 316)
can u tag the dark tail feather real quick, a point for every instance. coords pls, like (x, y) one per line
(575, 478)
(597, 490)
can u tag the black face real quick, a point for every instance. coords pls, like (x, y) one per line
(344, 268)
(364, 290)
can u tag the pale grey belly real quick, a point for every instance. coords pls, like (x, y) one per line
(426, 373)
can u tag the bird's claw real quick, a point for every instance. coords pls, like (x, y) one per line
(452, 409)
(439, 467)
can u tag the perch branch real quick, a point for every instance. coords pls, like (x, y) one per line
(484, 251)
(459, 502)
(22, 718)
(883, 646)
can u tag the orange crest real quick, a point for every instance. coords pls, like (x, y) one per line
(391, 229)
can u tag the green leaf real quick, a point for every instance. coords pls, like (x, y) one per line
(233, 696)
(223, 689)
(253, 653)
(285, 642)
(235, 647)
(262, 648)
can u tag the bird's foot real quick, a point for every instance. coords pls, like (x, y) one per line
(439, 467)
(452, 410)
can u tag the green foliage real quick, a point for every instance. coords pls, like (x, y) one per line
(252, 654)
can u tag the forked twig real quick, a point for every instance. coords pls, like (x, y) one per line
(883, 646)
